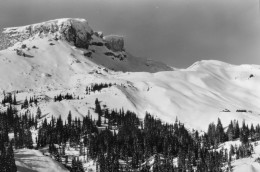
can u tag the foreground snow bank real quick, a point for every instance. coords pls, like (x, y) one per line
(28, 160)
(246, 165)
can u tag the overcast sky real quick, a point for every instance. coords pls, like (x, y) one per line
(177, 32)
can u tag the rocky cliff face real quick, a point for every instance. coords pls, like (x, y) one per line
(114, 43)
(76, 31)
(4, 43)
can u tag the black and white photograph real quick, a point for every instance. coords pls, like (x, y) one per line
(129, 85)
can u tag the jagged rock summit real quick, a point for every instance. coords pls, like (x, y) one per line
(73, 30)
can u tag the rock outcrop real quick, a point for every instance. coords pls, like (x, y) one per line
(114, 43)
(76, 31)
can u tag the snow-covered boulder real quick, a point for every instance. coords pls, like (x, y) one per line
(114, 42)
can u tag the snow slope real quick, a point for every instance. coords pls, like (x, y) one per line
(249, 164)
(28, 160)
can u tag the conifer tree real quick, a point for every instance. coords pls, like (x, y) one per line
(10, 159)
(74, 165)
(26, 103)
(220, 132)
(69, 119)
(38, 113)
(80, 166)
(230, 131)
(244, 133)
(237, 130)
(28, 139)
(14, 100)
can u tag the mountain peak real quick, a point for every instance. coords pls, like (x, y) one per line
(50, 26)
(208, 63)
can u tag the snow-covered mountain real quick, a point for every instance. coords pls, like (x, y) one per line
(66, 55)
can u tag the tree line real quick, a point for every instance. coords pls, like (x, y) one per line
(120, 136)
(125, 137)
(97, 87)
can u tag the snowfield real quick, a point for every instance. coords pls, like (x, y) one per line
(197, 96)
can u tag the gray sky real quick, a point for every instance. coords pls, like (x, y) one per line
(177, 32)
